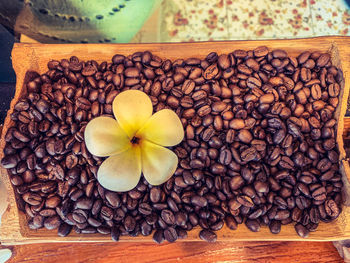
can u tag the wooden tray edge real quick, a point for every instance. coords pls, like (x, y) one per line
(17, 237)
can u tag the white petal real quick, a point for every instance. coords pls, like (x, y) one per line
(104, 137)
(121, 172)
(158, 163)
(5, 254)
(163, 128)
(132, 108)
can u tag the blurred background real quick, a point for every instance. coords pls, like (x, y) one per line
(141, 21)
(122, 21)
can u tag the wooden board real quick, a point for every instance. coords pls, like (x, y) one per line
(14, 228)
(189, 252)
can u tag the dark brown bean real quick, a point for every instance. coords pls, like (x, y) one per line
(207, 235)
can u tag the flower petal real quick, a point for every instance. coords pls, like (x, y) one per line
(158, 163)
(121, 172)
(104, 137)
(163, 128)
(132, 108)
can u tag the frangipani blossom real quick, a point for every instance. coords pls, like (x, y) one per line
(134, 142)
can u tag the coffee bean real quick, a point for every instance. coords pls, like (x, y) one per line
(237, 124)
(301, 230)
(249, 154)
(218, 106)
(155, 194)
(323, 60)
(168, 217)
(205, 110)
(207, 235)
(245, 136)
(225, 157)
(83, 103)
(9, 161)
(145, 209)
(84, 203)
(334, 89)
(275, 226)
(64, 230)
(253, 225)
(52, 222)
(199, 201)
(236, 182)
(52, 202)
(211, 72)
(224, 62)
(32, 198)
(115, 234)
(253, 82)
(170, 234)
(332, 208)
(146, 229)
(267, 98)
(261, 51)
(129, 223)
(278, 53)
(188, 86)
(113, 199)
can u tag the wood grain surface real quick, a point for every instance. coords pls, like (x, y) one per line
(14, 229)
(311, 252)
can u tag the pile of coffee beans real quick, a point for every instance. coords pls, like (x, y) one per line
(259, 145)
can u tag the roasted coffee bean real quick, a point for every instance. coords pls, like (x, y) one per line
(158, 236)
(113, 199)
(145, 209)
(301, 230)
(84, 203)
(207, 235)
(9, 161)
(225, 157)
(170, 234)
(52, 202)
(115, 234)
(237, 124)
(211, 72)
(129, 223)
(332, 208)
(64, 230)
(322, 60)
(275, 226)
(253, 225)
(261, 51)
(249, 154)
(168, 217)
(236, 182)
(245, 136)
(32, 198)
(199, 201)
(52, 222)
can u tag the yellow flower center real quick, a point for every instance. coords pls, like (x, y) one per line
(135, 140)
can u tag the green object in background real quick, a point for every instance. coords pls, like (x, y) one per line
(79, 21)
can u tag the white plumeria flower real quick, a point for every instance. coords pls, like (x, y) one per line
(134, 141)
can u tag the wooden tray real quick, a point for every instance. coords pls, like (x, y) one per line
(14, 229)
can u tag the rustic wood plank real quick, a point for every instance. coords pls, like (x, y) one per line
(313, 252)
(14, 229)
(346, 125)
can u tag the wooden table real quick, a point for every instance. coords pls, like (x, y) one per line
(178, 252)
